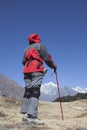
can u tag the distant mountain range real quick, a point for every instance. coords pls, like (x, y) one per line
(80, 90)
(49, 91)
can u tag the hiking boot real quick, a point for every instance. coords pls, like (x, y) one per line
(35, 121)
(38, 121)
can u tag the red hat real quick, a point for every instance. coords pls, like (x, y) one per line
(34, 38)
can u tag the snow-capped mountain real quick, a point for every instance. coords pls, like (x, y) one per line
(67, 91)
(49, 92)
(80, 90)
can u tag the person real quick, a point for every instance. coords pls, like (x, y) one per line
(34, 57)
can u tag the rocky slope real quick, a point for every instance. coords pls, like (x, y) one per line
(10, 88)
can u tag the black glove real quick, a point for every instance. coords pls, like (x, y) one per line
(55, 67)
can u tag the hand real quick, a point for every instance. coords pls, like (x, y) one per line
(55, 70)
(55, 67)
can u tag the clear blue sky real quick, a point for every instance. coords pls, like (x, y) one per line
(62, 25)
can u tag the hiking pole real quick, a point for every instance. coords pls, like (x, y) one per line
(59, 94)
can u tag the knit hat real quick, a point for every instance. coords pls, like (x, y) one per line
(34, 38)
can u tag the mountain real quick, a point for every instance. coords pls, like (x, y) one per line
(80, 90)
(67, 91)
(10, 88)
(49, 92)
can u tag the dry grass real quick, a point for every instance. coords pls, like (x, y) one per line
(75, 116)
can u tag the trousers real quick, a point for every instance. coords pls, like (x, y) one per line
(31, 95)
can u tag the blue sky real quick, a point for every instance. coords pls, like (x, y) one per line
(62, 25)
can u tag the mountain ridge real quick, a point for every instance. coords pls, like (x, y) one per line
(49, 91)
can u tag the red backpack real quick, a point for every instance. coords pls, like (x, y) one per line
(34, 61)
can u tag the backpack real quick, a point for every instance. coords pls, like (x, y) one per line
(33, 54)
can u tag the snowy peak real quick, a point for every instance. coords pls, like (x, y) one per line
(49, 92)
(49, 88)
(80, 89)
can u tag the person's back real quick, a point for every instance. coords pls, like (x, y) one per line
(43, 53)
(34, 57)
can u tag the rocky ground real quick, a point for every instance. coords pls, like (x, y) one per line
(75, 115)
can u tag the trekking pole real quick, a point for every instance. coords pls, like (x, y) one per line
(59, 94)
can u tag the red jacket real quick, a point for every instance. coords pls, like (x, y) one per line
(35, 55)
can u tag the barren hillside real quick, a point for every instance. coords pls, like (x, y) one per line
(75, 116)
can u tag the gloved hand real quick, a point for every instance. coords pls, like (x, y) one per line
(55, 67)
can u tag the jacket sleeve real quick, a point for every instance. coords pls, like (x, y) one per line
(46, 56)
